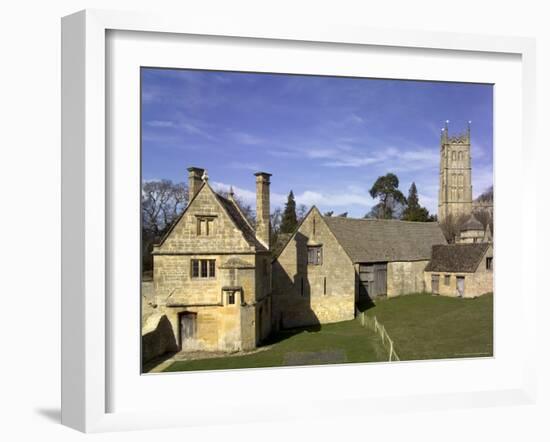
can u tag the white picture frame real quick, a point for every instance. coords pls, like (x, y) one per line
(86, 215)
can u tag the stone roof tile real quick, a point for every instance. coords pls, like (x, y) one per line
(376, 240)
(456, 257)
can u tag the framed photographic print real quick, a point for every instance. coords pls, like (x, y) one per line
(257, 212)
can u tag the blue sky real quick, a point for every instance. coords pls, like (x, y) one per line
(326, 138)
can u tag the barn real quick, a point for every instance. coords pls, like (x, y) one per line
(331, 263)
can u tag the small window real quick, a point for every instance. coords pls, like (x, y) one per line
(194, 268)
(454, 155)
(211, 268)
(315, 255)
(203, 268)
(447, 279)
(325, 285)
(205, 226)
(231, 298)
(489, 263)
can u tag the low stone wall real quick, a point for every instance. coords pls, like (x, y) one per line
(157, 338)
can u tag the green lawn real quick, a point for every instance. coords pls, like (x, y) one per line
(423, 326)
(330, 343)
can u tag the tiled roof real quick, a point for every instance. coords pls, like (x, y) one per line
(456, 257)
(472, 224)
(376, 240)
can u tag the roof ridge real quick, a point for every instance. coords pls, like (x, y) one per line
(347, 218)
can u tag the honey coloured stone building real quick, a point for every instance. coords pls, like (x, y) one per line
(461, 270)
(212, 270)
(332, 263)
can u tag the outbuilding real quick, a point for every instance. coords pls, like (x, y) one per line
(460, 270)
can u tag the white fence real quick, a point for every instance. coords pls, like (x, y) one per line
(380, 330)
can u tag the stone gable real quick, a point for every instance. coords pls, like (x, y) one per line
(225, 236)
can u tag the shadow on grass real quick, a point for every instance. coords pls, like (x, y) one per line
(146, 367)
(283, 335)
(365, 303)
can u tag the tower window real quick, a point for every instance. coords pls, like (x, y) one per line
(315, 255)
(454, 155)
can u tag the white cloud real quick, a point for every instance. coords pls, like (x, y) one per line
(249, 196)
(194, 129)
(246, 138)
(356, 119)
(346, 199)
(161, 123)
(245, 166)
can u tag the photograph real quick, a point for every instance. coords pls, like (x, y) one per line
(303, 220)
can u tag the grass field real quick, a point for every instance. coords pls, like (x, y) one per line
(330, 343)
(423, 326)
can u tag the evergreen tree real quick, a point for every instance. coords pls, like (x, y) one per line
(289, 221)
(414, 211)
(391, 199)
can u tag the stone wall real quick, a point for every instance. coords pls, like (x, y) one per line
(406, 277)
(470, 236)
(312, 294)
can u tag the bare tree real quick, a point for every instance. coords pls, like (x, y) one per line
(161, 204)
(276, 219)
(450, 225)
(485, 217)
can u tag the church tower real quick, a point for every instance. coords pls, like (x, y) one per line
(455, 174)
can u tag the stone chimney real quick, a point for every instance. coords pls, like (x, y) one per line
(262, 208)
(195, 180)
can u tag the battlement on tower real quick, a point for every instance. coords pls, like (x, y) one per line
(458, 138)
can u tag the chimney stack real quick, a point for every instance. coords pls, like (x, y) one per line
(195, 180)
(263, 224)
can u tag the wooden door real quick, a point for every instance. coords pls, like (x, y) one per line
(366, 280)
(435, 284)
(460, 286)
(380, 278)
(188, 327)
(373, 279)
